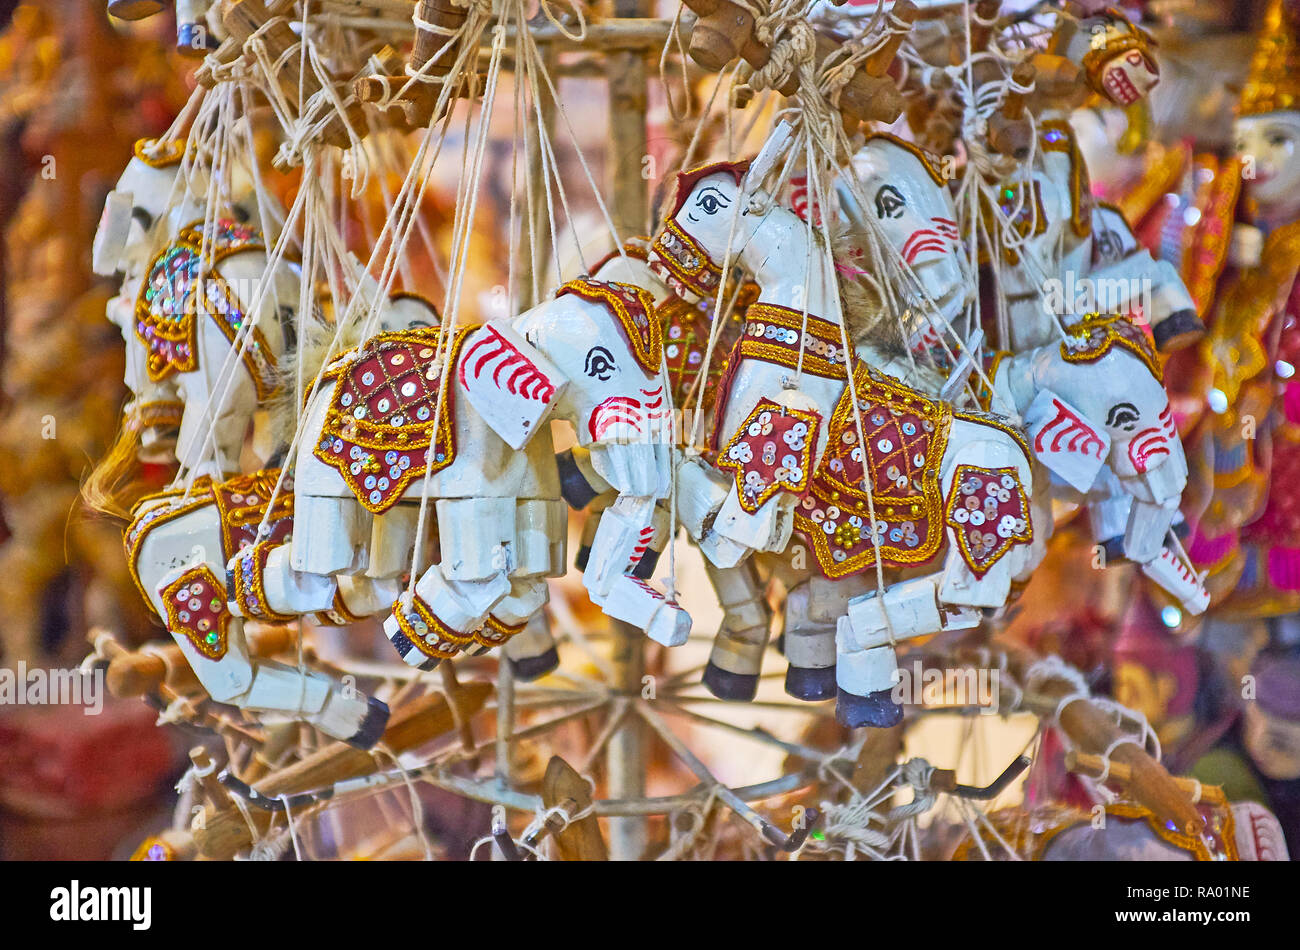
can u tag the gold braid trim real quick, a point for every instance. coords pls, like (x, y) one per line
(1093, 337)
(417, 623)
(495, 633)
(772, 334)
(145, 518)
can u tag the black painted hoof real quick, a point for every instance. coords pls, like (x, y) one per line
(876, 710)
(581, 558)
(372, 727)
(411, 654)
(724, 684)
(534, 667)
(645, 568)
(1113, 549)
(810, 684)
(1177, 330)
(574, 487)
(780, 643)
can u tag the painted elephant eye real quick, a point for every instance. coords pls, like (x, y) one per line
(711, 201)
(1123, 415)
(600, 363)
(889, 202)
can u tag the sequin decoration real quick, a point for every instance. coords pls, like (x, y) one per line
(248, 587)
(686, 328)
(1096, 335)
(771, 452)
(1022, 212)
(196, 610)
(495, 633)
(683, 263)
(426, 632)
(154, 848)
(772, 333)
(634, 308)
(242, 502)
(378, 432)
(166, 309)
(906, 435)
(988, 512)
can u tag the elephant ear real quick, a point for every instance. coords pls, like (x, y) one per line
(509, 382)
(1066, 440)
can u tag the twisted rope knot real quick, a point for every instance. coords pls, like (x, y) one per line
(482, 7)
(793, 44)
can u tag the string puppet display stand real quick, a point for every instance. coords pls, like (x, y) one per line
(256, 801)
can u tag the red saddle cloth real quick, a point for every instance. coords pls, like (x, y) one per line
(379, 428)
(906, 434)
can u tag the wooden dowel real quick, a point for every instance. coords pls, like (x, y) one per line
(214, 794)
(1094, 766)
(1009, 130)
(279, 740)
(1094, 730)
(243, 18)
(222, 834)
(135, 673)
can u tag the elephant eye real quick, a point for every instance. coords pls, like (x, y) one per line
(142, 216)
(711, 201)
(889, 202)
(600, 363)
(1123, 415)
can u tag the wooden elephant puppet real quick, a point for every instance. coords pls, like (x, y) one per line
(200, 558)
(386, 429)
(1093, 407)
(178, 546)
(797, 457)
(684, 298)
(185, 305)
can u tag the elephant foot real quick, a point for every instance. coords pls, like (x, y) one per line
(724, 684)
(810, 684)
(411, 654)
(875, 710)
(1113, 549)
(1181, 328)
(372, 726)
(530, 668)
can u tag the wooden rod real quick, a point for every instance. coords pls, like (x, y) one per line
(137, 672)
(222, 834)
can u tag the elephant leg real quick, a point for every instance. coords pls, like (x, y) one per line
(392, 540)
(809, 647)
(439, 618)
(330, 535)
(336, 709)
(194, 608)
(532, 652)
(360, 596)
(737, 657)
(866, 663)
(511, 614)
(263, 586)
(621, 541)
